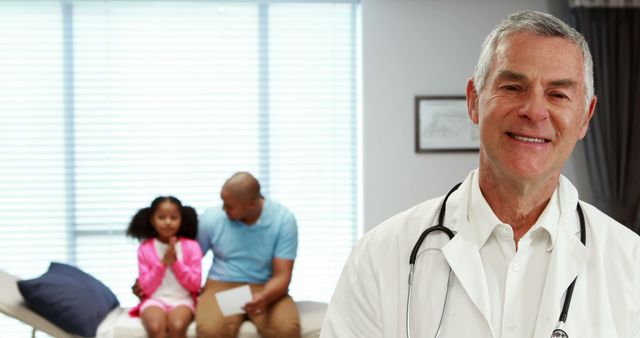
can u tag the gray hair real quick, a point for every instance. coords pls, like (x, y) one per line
(538, 23)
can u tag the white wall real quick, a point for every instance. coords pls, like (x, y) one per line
(418, 47)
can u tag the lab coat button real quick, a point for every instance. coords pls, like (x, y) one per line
(515, 267)
(512, 327)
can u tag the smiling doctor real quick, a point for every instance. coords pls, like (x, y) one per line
(527, 258)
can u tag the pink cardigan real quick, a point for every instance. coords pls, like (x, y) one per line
(188, 271)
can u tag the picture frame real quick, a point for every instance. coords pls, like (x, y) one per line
(442, 124)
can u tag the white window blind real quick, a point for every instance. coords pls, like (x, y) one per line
(106, 104)
(33, 213)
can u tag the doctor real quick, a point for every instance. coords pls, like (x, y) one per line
(517, 245)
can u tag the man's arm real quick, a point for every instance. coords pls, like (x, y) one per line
(275, 288)
(205, 229)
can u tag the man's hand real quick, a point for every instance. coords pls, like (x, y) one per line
(137, 290)
(257, 306)
(274, 289)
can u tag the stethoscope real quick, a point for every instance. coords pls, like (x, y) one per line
(558, 332)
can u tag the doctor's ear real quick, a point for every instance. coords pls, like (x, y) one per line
(472, 101)
(584, 126)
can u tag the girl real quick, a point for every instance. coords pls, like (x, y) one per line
(169, 266)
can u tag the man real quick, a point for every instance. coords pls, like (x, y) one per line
(254, 241)
(517, 245)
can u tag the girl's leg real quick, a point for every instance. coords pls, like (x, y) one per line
(154, 321)
(179, 319)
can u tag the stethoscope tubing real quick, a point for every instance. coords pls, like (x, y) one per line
(557, 332)
(414, 255)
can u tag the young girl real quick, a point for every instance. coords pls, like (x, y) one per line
(169, 266)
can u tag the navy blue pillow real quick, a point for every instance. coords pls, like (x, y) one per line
(69, 298)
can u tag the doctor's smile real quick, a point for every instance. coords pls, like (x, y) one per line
(528, 139)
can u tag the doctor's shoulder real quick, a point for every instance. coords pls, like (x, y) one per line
(615, 255)
(403, 227)
(615, 245)
(607, 230)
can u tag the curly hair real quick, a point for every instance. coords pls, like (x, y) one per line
(141, 228)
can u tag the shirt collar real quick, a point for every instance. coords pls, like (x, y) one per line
(549, 220)
(485, 221)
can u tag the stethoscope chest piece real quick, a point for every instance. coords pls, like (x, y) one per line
(559, 333)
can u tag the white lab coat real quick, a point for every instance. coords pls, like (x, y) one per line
(371, 296)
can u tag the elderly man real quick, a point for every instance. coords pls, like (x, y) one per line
(520, 234)
(254, 241)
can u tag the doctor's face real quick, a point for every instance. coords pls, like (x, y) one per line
(531, 109)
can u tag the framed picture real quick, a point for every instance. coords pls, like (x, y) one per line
(443, 124)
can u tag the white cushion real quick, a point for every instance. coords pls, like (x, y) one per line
(118, 324)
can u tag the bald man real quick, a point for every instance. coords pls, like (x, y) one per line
(254, 241)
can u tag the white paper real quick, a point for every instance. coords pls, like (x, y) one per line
(231, 301)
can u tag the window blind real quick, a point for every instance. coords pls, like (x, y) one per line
(106, 104)
(33, 214)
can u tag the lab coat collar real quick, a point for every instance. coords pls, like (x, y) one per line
(567, 201)
(568, 259)
(462, 252)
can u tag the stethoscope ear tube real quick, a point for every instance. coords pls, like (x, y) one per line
(414, 254)
(438, 227)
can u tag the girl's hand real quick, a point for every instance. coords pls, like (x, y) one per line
(170, 256)
(137, 290)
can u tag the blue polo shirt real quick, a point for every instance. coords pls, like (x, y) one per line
(244, 253)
